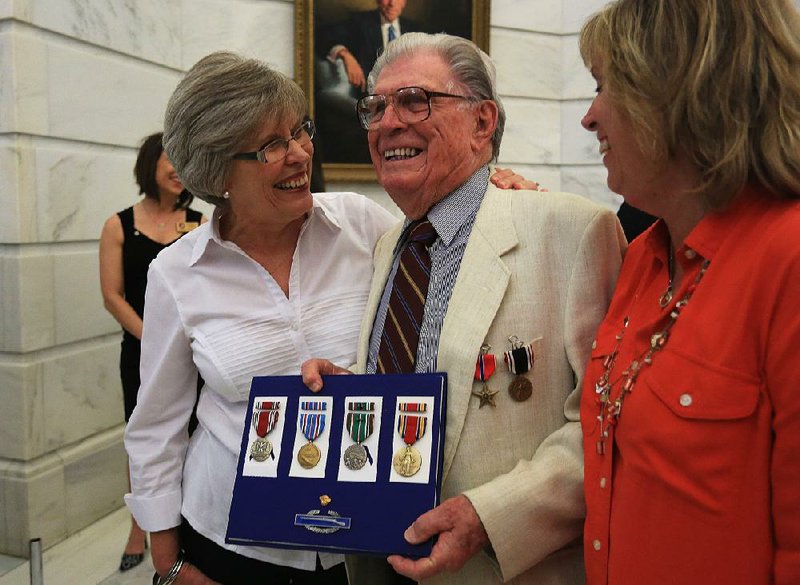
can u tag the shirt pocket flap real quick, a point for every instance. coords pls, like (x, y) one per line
(696, 390)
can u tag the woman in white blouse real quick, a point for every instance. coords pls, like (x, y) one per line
(255, 291)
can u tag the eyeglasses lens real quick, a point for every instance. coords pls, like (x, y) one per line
(410, 104)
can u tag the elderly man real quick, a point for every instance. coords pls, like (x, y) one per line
(520, 272)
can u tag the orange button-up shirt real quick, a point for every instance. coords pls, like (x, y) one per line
(699, 481)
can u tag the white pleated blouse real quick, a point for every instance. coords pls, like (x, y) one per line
(210, 309)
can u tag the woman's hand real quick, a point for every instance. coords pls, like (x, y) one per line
(508, 179)
(166, 547)
(312, 371)
(191, 575)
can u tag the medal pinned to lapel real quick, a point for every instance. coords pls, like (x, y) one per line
(485, 367)
(519, 360)
(312, 424)
(265, 417)
(360, 424)
(411, 427)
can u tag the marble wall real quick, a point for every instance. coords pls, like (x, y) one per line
(81, 82)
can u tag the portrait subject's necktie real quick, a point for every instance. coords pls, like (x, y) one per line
(391, 34)
(397, 352)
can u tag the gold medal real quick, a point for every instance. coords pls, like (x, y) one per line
(308, 456)
(407, 461)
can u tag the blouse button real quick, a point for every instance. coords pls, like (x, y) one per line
(596, 544)
(690, 254)
(685, 400)
(594, 344)
(602, 483)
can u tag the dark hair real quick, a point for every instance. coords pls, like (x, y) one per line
(145, 170)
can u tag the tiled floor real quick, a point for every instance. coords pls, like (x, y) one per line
(90, 557)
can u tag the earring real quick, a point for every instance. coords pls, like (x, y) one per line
(226, 195)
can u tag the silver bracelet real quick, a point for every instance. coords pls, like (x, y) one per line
(172, 574)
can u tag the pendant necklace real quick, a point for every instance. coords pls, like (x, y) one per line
(610, 410)
(666, 297)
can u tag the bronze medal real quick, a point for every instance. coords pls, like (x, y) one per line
(261, 449)
(520, 388)
(355, 457)
(407, 461)
(308, 456)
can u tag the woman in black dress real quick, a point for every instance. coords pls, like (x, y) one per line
(128, 243)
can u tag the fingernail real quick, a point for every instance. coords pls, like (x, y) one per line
(316, 387)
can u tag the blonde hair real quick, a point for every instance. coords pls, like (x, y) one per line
(715, 80)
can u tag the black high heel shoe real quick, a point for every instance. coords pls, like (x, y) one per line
(129, 561)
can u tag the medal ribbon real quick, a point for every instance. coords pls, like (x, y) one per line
(312, 425)
(314, 405)
(485, 366)
(519, 360)
(411, 428)
(268, 405)
(361, 406)
(360, 425)
(413, 407)
(264, 421)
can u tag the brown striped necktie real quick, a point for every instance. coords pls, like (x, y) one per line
(397, 352)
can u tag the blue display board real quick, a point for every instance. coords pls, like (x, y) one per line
(373, 466)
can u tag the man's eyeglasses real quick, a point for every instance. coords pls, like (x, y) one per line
(276, 150)
(411, 105)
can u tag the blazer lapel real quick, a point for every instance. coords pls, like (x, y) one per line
(479, 290)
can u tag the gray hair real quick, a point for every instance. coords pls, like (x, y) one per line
(470, 65)
(217, 108)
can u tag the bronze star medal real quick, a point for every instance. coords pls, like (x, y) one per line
(485, 367)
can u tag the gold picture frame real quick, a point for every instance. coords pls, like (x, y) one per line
(312, 16)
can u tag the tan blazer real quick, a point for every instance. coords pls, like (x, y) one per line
(540, 266)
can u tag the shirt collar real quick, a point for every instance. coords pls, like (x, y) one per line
(457, 209)
(711, 231)
(319, 212)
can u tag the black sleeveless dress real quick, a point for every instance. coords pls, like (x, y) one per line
(137, 252)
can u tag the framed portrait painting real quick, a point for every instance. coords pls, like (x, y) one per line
(336, 43)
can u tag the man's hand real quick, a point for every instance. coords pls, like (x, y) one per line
(355, 75)
(461, 536)
(312, 371)
(508, 179)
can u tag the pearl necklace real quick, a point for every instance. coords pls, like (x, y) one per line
(611, 410)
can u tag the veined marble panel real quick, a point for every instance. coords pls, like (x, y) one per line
(7, 87)
(575, 12)
(264, 30)
(577, 82)
(533, 15)
(528, 65)
(82, 93)
(79, 187)
(95, 478)
(82, 394)
(6, 8)
(32, 503)
(9, 200)
(590, 181)
(578, 146)
(21, 431)
(149, 29)
(79, 313)
(27, 304)
(532, 134)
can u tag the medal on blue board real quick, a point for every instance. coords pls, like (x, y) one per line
(411, 427)
(360, 424)
(265, 417)
(311, 424)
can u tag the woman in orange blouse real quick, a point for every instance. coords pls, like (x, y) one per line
(691, 403)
